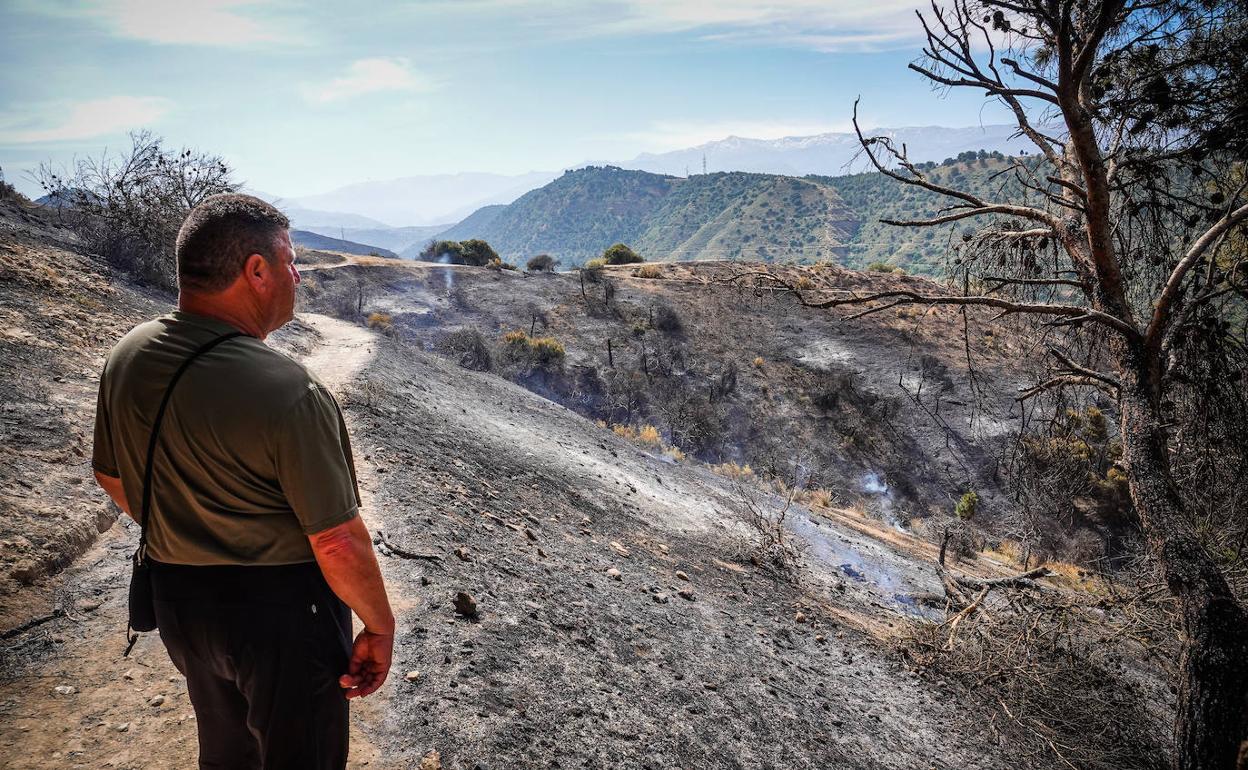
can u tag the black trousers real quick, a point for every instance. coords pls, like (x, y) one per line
(261, 649)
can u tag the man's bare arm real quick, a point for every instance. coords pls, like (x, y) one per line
(345, 555)
(112, 485)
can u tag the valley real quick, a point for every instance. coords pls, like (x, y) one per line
(621, 615)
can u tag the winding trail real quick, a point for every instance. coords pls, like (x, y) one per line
(345, 350)
(69, 699)
(342, 355)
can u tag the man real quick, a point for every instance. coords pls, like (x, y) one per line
(254, 537)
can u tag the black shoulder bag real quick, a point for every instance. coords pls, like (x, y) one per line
(142, 605)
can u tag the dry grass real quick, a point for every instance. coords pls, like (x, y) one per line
(649, 271)
(534, 352)
(1064, 574)
(675, 453)
(733, 471)
(382, 322)
(647, 436)
(814, 498)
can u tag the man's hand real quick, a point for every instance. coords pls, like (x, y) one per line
(370, 664)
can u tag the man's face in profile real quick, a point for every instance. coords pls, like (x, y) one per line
(286, 280)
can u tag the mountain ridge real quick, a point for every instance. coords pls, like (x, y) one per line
(725, 215)
(425, 200)
(830, 153)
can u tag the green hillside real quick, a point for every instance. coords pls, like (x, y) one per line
(749, 216)
(921, 250)
(737, 215)
(709, 216)
(574, 217)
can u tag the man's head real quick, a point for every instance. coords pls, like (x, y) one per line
(234, 250)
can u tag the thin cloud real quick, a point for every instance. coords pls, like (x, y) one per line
(367, 76)
(230, 23)
(76, 121)
(822, 25)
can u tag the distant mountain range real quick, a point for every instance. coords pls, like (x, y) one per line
(311, 240)
(420, 200)
(831, 154)
(706, 216)
(397, 239)
(428, 200)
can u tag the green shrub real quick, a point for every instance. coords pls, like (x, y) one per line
(547, 352)
(474, 252)
(7, 191)
(477, 253)
(596, 264)
(966, 507)
(880, 267)
(619, 254)
(449, 252)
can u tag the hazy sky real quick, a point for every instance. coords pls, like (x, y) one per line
(304, 97)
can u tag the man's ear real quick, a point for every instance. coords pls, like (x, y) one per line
(256, 271)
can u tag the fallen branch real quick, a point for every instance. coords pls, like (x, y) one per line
(23, 628)
(957, 586)
(390, 549)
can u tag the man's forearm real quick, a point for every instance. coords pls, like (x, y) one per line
(345, 555)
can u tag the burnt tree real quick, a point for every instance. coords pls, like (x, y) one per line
(1126, 247)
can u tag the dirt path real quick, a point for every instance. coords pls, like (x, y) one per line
(68, 698)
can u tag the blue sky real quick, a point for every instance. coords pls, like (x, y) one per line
(303, 97)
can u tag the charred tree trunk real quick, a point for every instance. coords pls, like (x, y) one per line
(1212, 717)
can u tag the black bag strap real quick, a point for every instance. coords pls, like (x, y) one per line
(141, 554)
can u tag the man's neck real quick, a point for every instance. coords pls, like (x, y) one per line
(220, 309)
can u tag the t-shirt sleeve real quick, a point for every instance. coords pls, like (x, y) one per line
(103, 455)
(314, 464)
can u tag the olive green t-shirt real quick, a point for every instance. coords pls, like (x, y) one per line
(253, 454)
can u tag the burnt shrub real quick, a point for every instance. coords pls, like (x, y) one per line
(467, 348)
(542, 263)
(666, 320)
(7, 191)
(127, 207)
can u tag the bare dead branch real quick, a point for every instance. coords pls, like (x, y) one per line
(1068, 313)
(1165, 303)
